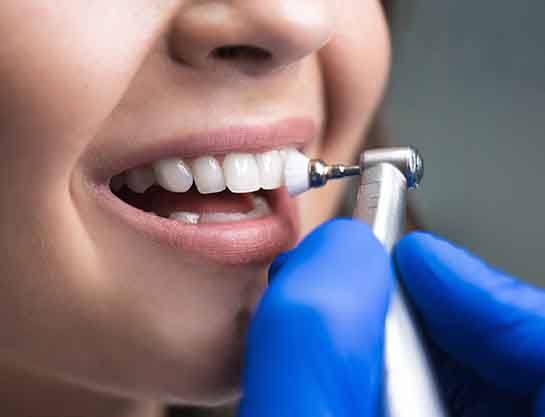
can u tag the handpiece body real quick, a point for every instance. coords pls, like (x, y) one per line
(410, 389)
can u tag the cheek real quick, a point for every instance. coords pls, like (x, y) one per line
(64, 65)
(354, 65)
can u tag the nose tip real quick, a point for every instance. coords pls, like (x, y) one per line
(252, 36)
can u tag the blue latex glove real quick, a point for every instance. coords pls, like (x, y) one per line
(488, 329)
(315, 343)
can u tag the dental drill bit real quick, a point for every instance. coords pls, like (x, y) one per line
(410, 388)
(302, 173)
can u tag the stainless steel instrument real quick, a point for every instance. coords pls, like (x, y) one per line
(386, 175)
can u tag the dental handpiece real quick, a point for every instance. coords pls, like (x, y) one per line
(410, 389)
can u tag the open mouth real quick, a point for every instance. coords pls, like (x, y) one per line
(229, 209)
(211, 196)
(208, 189)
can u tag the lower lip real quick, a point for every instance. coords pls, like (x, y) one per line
(235, 243)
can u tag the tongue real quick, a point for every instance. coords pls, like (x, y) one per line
(164, 202)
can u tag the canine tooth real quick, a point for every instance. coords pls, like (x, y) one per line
(173, 175)
(185, 217)
(208, 175)
(241, 172)
(270, 166)
(139, 179)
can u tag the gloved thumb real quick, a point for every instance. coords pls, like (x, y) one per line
(315, 343)
(489, 321)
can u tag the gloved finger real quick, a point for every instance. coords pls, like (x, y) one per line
(314, 346)
(277, 264)
(540, 403)
(485, 319)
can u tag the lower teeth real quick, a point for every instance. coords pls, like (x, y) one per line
(261, 209)
(185, 217)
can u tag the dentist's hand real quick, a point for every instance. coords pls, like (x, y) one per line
(315, 344)
(488, 329)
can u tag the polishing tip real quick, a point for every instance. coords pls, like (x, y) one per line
(296, 175)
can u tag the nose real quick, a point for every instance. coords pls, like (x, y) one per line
(253, 36)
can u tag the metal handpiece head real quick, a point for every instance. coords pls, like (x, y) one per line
(302, 173)
(406, 159)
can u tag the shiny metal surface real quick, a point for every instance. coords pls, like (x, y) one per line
(410, 387)
(407, 159)
(319, 172)
(381, 202)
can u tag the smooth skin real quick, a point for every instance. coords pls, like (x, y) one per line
(94, 319)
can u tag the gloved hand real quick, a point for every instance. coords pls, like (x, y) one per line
(315, 343)
(488, 329)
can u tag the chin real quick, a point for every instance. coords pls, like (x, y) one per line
(206, 370)
(217, 384)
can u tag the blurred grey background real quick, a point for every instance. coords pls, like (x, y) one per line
(468, 90)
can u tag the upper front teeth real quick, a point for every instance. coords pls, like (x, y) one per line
(173, 175)
(240, 172)
(208, 175)
(271, 166)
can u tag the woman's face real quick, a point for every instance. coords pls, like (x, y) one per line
(101, 293)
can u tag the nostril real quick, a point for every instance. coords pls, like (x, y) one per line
(241, 52)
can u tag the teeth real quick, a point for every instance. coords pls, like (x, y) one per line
(185, 217)
(284, 152)
(261, 209)
(173, 175)
(271, 168)
(241, 172)
(139, 179)
(208, 175)
(220, 217)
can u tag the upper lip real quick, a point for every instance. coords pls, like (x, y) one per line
(294, 131)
